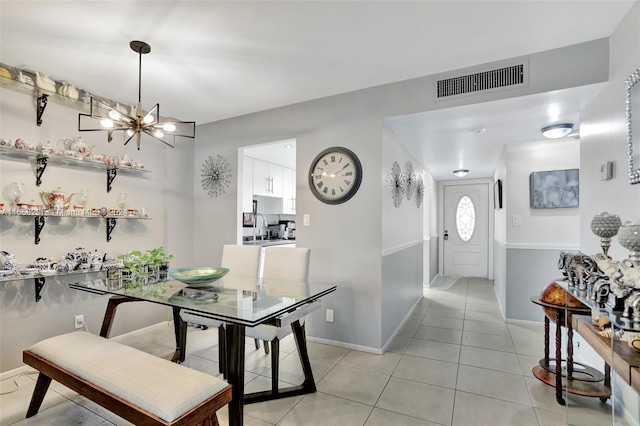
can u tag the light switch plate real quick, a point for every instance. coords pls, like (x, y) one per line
(306, 219)
(516, 220)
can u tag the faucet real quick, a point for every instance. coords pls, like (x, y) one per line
(255, 223)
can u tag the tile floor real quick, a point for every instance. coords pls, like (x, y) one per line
(454, 362)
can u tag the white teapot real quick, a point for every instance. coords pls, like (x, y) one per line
(125, 160)
(81, 148)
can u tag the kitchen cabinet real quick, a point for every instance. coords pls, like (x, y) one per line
(288, 191)
(267, 179)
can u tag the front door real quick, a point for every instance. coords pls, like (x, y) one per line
(466, 230)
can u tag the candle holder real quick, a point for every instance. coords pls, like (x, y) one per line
(629, 238)
(605, 226)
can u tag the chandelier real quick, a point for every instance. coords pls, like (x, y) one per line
(135, 123)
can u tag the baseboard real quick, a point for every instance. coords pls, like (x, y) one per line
(395, 332)
(12, 373)
(158, 324)
(345, 345)
(521, 321)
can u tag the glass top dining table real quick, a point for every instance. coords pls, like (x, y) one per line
(237, 301)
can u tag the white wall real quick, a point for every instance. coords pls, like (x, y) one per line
(603, 137)
(165, 192)
(500, 236)
(532, 250)
(345, 240)
(402, 241)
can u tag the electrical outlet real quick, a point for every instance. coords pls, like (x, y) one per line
(79, 321)
(329, 315)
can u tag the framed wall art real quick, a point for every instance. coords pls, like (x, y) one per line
(555, 189)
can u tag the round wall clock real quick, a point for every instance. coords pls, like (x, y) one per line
(335, 175)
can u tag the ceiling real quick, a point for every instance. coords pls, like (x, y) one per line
(212, 60)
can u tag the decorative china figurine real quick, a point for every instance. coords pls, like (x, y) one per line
(125, 160)
(75, 147)
(56, 200)
(23, 78)
(68, 91)
(45, 83)
(8, 261)
(45, 148)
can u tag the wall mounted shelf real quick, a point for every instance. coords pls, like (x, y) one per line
(41, 163)
(40, 280)
(42, 96)
(39, 221)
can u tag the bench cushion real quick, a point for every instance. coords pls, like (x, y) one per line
(154, 384)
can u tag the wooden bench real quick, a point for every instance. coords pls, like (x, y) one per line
(141, 388)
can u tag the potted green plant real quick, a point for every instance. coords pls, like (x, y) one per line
(158, 264)
(134, 271)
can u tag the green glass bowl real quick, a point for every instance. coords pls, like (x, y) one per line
(201, 276)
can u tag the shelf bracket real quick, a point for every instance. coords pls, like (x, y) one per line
(41, 104)
(39, 222)
(111, 224)
(41, 165)
(111, 175)
(39, 282)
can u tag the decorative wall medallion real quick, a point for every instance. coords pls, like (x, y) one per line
(411, 180)
(216, 176)
(419, 192)
(398, 182)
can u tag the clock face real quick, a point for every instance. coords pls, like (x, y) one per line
(335, 175)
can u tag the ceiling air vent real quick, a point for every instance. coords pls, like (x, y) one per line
(486, 80)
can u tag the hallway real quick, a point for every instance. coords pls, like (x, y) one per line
(454, 362)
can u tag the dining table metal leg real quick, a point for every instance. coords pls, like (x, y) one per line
(235, 335)
(180, 330)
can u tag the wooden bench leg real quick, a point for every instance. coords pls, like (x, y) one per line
(42, 385)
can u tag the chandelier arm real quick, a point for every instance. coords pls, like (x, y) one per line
(161, 140)
(130, 137)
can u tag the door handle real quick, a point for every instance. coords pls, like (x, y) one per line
(446, 235)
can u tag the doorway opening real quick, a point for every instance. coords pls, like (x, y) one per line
(267, 191)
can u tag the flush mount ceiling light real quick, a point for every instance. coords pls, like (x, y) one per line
(557, 130)
(461, 172)
(136, 122)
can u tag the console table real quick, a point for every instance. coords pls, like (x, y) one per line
(575, 377)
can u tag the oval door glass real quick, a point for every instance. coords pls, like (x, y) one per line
(465, 218)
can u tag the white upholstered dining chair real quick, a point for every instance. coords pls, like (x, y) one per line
(285, 264)
(240, 260)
